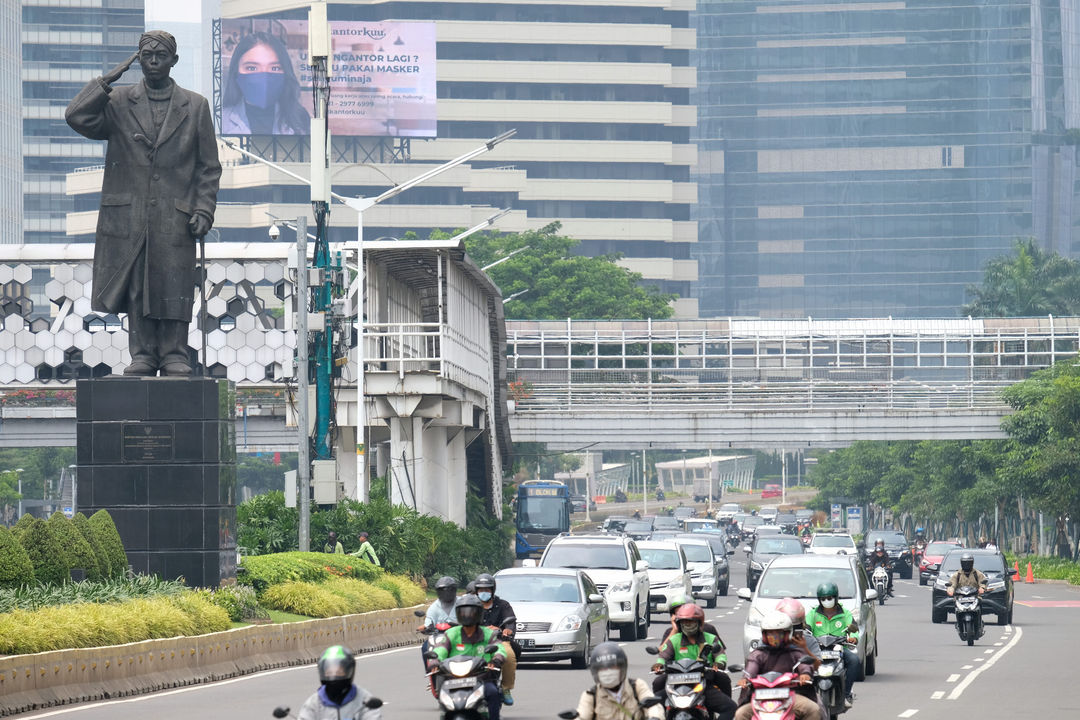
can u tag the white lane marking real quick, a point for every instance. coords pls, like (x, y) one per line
(988, 652)
(204, 686)
(907, 713)
(1038, 597)
(966, 667)
(979, 659)
(959, 690)
(953, 678)
(904, 596)
(937, 695)
(998, 644)
(622, 644)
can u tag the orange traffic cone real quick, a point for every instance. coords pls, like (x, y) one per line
(1016, 570)
(1030, 578)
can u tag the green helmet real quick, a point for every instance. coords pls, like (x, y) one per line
(827, 589)
(676, 602)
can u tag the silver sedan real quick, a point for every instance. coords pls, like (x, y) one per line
(560, 613)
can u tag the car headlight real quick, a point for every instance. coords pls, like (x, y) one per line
(621, 587)
(756, 565)
(677, 583)
(996, 585)
(754, 617)
(570, 622)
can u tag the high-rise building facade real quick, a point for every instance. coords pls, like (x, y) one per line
(65, 43)
(867, 157)
(11, 171)
(599, 93)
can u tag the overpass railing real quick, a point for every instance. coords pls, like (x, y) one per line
(808, 365)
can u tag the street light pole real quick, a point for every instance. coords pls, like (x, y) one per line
(19, 472)
(303, 380)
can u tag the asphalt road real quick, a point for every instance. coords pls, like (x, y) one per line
(924, 671)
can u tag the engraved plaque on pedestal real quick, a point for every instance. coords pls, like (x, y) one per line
(148, 442)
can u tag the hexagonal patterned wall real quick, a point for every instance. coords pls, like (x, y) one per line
(48, 332)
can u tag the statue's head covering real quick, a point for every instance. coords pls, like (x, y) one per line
(160, 36)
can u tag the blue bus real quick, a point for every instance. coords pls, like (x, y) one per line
(543, 511)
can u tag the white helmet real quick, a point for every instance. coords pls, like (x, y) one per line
(776, 620)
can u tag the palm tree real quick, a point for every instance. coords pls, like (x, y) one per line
(1030, 282)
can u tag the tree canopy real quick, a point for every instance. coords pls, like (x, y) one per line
(1031, 281)
(555, 284)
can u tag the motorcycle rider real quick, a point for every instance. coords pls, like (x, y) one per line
(722, 680)
(469, 637)
(337, 698)
(966, 576)
(615, 696)
(499, 616)
(881, 557)
(776, 654)
(803, 639)
(830, 618)
(691, 641)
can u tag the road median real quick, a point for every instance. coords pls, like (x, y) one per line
(60, 677)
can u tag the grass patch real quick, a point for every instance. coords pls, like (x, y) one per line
(280, 616)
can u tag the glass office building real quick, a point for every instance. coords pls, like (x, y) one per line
(65, 43)
(10, 123)
(862, 158)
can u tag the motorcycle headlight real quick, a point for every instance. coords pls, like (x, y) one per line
(570, 622)
(460, 668)
(682, 701)
(621, 587)
(825, 671)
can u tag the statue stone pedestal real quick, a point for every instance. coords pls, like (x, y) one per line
(160, 455)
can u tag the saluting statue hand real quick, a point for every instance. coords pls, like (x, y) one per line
(113, 75)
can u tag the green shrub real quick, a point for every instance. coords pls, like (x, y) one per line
(95, 625)
(305, 598)
(102, 526)
(78, 551)
(34, 596)
(361, 596)
(46, 553)
(240, 601)
(23, 524)
(406, 593)
(83, 526)
(15, 566)
(263, 571)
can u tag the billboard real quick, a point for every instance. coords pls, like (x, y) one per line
(382, 78)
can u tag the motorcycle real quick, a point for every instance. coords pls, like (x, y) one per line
(829, 678)
(969, 622)
(280, 712)
(880, 578)
(433, 636)
(461, 691)
(773, 696)
(684, 687)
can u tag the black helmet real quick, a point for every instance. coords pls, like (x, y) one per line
(446, 588)
(607, 656)
(484, 580)
(468, 610)
(967, 562)
(827, 589)
(336, 663)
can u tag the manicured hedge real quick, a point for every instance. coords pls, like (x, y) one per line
(340, 596)
(33, 596)
(46, 553)
(240, 601)
(264, 571)
(83, 526)
(15, 566)
(78, 551)
(102, 526)
(95, 625)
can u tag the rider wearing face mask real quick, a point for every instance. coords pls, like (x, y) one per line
(881, 557)
(830, 618)
(499, 616)
(723, 680)
(338, 698)
(966, 576)
(615, 696)
(777, 653)
(691, 641)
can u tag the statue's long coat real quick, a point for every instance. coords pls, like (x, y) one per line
(150, 191)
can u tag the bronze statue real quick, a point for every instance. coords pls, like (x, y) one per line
(157, 201)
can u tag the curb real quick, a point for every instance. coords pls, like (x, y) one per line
(62, 677)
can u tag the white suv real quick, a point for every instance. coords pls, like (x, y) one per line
(614, 563)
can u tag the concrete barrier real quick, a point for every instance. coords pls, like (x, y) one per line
(60, 677)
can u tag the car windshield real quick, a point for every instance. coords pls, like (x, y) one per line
(779, 546)
(698, 553)
(890, 538)
(832, 541)
(538, 588)
(541, 513)
(753, 521)
(940, 548)
(637, 526)
(697, 523)
(596, 557)
(729, 507)
(716, 542)
(661, 558)
(802, 581)
(983, 561)
(666, 522)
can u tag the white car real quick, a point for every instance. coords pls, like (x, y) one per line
(614, 563)
(703, 572)
(669, 573)
(832, 544)
(769, 514)
(727, 512)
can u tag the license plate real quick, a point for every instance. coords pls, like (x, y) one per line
(831, 655)
(772, 693)
(526, 642)
(684, 678)
(459, 683)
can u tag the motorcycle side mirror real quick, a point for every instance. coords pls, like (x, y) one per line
(734, 668)
(568, 714)
(491, 648)
(652, 650)
(806, 660)
(650, 701)
(419, 613)
(431, 655)
(281, 712)
(373, 703)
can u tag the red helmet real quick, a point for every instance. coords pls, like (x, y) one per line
(793, 609)
(690, 611)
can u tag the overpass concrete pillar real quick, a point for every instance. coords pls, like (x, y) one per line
(345, 452)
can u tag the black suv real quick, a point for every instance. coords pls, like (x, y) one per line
(998, 599)
(896, 545)
(764, 550)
